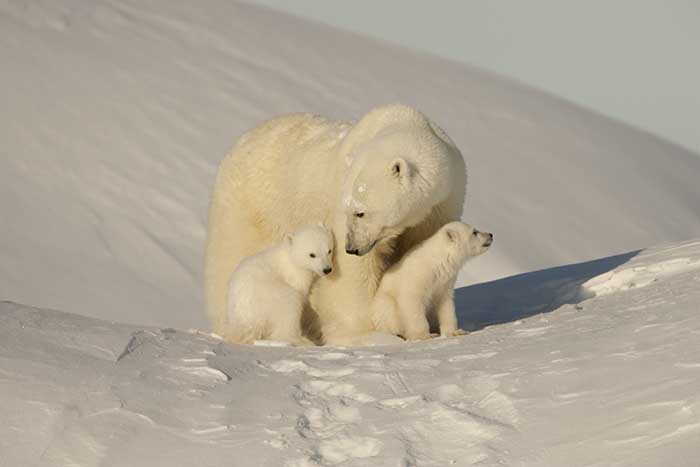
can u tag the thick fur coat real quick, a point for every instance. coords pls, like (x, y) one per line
(268, 291)
(420, 286)
(384, 184)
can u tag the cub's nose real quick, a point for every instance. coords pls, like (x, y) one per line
(489, 240)
(327, 271)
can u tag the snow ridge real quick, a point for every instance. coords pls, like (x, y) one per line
(556, 386)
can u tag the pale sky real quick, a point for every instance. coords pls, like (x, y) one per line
(634, 60)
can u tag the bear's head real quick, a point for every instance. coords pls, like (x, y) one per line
(311, 248)
(395, 180)
(462, 241)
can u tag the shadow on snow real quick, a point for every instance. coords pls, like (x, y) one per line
(531, 293)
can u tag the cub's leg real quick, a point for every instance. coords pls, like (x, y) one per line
(242, 324)
(413, 318)
(284, 321)
(384, 314)
(447, 317)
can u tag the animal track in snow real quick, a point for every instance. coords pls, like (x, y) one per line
(441, 435)
(331, 416)
(322, 423)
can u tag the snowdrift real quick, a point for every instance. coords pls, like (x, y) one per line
(611, 377)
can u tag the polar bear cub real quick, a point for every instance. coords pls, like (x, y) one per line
(267, 291)
(422, 283)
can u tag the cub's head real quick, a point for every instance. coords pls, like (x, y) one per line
(462, 241)
(311, 248)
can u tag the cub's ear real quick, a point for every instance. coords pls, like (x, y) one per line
(451, 235)
(399, 168)
(288, 239)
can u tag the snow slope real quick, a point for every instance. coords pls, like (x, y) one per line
(116, 113)
(609, 378)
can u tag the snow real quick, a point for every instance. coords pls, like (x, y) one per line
(115, 116)
(611, 377)
(117, 113)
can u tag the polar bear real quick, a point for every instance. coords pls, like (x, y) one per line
(421, 284)
(268, 291)
(384, 184)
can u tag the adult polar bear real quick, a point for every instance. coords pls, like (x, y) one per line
(384, 184)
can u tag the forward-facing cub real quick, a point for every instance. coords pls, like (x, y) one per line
(422, 283)
(268, 291)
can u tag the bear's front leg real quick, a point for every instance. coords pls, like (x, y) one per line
(447, 317)
(414, 322)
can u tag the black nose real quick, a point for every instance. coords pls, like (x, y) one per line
(327, 271)
(355, 252)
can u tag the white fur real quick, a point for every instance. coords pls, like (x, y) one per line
(294, 169)
(268, 291)
(422, 283)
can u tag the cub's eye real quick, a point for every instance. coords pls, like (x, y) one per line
(360, 214)
(475, 233)
(329, 252)
(312, 255)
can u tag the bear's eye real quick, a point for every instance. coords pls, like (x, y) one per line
(475, 233)
(329, 252)
(312, 255)
(360, 214)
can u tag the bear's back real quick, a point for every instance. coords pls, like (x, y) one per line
(279, 169)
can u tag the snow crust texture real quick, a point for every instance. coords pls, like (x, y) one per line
(611, 377)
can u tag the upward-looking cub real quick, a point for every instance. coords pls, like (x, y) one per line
(422, 282)
(267, 291)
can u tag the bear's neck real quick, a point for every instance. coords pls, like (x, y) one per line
(366, 271)
(441, 267)
(297, 277)
(446, 271)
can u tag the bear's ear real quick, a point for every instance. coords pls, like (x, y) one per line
(451, 236)
(399, 168)
(288, 239)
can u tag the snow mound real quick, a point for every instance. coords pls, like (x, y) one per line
(116, 114)
(557, 383)
(647, 268)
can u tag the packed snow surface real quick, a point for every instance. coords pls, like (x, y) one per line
(609, 377)
(115, 115)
